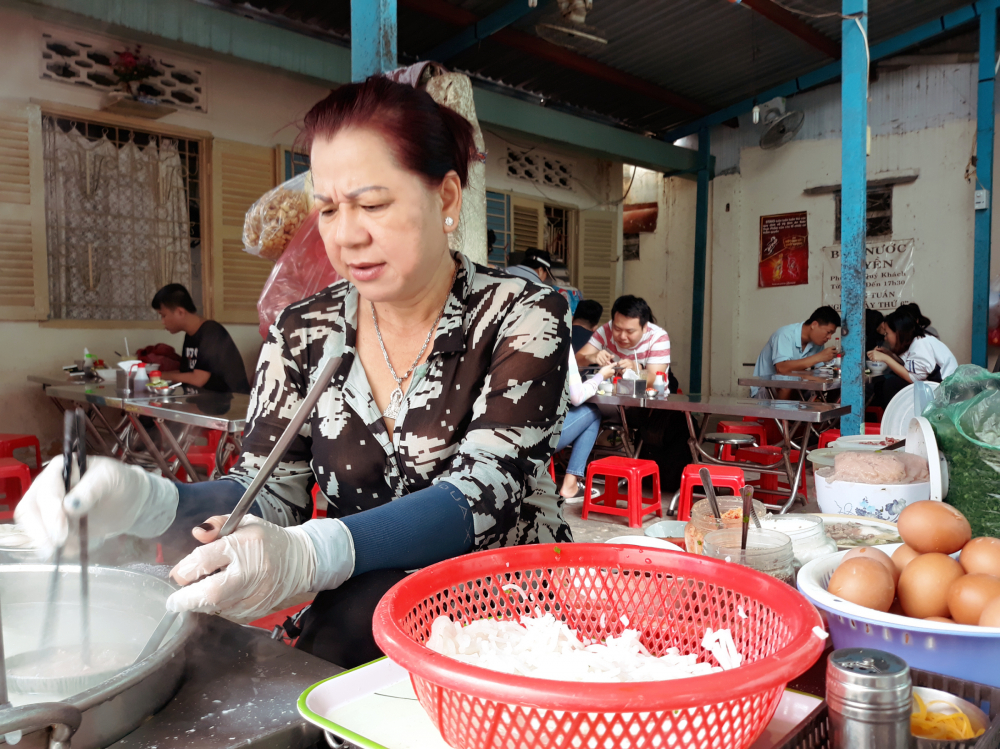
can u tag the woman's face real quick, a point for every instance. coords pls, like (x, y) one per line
(890, 336)
(383, 227)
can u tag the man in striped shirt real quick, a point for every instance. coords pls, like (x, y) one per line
(630, 338)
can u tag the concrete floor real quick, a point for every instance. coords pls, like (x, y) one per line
(600, 527)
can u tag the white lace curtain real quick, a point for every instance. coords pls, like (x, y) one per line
(117, 224)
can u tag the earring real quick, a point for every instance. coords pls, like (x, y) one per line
(449, 221)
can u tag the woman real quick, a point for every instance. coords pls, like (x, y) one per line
(913, 310)
(915, 355)
(582, 425)
(434, 436)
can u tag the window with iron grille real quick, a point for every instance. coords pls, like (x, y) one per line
(498, 221)
(878, 212)
(123, 218)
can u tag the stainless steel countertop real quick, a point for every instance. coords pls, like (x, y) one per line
(802, 380)
(721, 405)
(224, 411)
(240, 689)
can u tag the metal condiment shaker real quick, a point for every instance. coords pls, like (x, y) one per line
(869, 696)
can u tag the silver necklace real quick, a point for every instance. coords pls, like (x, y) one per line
(396, 399)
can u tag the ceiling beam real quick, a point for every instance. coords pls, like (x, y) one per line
(536, 47)
(795, 25)
(476, 32)
(831, 72)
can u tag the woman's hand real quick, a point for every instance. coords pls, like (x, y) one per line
(879, 355)
(116, 498)
(247, 574)
(607, 372)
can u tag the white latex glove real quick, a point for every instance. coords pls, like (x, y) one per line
(117, 499)
(247, 574)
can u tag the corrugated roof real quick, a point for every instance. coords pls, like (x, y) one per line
(712, 52)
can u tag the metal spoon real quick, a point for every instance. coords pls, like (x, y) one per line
(753, 512)
(706, 481)
(157, 637)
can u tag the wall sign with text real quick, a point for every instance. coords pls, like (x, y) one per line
(784, 250)
(888, 274)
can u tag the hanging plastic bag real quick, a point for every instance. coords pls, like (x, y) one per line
(302, 270)
(277, 215)
(965, 415)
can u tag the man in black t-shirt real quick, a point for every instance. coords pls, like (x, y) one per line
(209, 358)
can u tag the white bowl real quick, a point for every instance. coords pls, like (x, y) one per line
(882, 501)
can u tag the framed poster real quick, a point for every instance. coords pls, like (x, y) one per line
(784, 250)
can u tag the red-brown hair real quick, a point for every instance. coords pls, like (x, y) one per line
(426, 138)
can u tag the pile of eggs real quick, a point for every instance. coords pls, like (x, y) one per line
(921, 579)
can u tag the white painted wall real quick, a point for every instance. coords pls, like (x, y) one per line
(922, 118)
(246, 103)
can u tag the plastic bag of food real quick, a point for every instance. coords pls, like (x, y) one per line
(277, 215)
(302, 270)
(965, 415)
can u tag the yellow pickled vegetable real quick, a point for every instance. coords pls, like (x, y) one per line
(945, 726)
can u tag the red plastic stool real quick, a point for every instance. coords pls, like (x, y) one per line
(769, 456)
(317, 513)
(552, 469)
(724, 476)
(754, 428)
(203, 456)
(830, 435)
(10, 442)
(10, 471)
(632, 469)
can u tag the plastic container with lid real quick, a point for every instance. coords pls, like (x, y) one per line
(660, 383)
(767, 551)
(141, 381)
(703, 521)
(809, 539)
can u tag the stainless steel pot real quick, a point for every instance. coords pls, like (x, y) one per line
(125, 608)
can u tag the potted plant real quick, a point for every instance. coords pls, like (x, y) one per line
(131, 67)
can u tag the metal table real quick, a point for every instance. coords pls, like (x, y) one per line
(240, 689)
(225, 412)
(785, 412)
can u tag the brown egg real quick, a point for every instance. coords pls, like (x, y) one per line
(864, 582)
(930, 526)
(870, 552)
(942, 619)
(902, 557)
(981, 555)
(896, 608)
(968, 596)
(923, 585)
(991, 614)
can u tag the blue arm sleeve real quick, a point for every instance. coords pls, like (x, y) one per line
(196, 503)
(422, 528)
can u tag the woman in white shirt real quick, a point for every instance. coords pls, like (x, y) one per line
(580, 429)
(923, 356)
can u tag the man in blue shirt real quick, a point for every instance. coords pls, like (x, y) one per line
(797, 346)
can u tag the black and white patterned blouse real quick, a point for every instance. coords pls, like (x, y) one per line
(483, 412)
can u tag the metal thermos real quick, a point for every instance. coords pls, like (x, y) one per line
(869, 696)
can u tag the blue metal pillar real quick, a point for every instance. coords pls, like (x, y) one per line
(700, 251)
(984, 179)
(373, 37)
(854, 188)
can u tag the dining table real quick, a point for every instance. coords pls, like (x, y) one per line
(786, 412)
(180, 417)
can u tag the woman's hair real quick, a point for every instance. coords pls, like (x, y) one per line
(426, 138)
(633, 306)
(906, 328)
(913, 311)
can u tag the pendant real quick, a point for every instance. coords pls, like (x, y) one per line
(395, 402)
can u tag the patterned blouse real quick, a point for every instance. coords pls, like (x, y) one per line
(483, 412)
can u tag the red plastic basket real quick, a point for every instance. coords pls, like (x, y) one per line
(670, 597)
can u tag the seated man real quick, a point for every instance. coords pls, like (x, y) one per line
(586, 318)
(209, 359)
(536, 267)
(630, 339)
(795, 347)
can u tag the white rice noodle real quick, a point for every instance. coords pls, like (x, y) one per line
(546, 648)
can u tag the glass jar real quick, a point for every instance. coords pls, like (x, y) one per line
(703, 521)
(767, 551)
(809, 539)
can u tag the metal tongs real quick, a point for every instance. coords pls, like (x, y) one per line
(74, 443)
